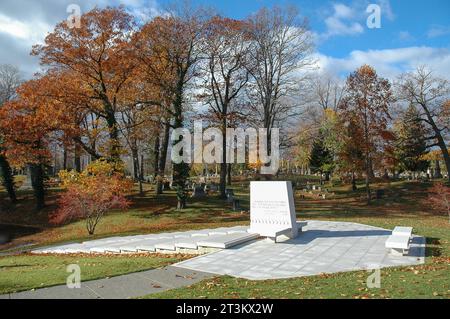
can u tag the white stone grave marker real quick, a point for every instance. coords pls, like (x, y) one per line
(272, 209)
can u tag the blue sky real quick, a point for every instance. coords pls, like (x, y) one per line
(404, 22)
(412, 32)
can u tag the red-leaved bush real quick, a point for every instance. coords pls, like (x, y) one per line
(440, 198)
(91, 193)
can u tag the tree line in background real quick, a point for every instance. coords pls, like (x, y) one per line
(369, 124)
(117, 87)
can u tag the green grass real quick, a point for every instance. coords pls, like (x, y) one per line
(405, 204)
(413, 282)
(431, 280)
(25, 272)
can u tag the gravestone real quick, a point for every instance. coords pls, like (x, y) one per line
(229, 191)
(230, 195)
(166, 186)
(272, 209)
(236, 205)
(198, 192)
(27, 184)
(379, 193)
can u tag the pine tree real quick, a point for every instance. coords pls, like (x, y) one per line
(412, 144)
(321, 158)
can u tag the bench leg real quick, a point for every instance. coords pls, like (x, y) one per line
(397, 252)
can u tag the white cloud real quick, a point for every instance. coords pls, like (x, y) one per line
(339, 23)
(342, 11)
(24, 23)
(350, 20)
(438, 31)
(390, 62)
(386, 9)
(30, 31)
(405, 36)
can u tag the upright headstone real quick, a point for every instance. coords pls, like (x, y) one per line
(198, 192)
(27, 184)
(272, 209)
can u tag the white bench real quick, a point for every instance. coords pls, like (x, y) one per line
(402, 231)
(399, 241)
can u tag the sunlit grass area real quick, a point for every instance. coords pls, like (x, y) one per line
(24, 272)
(404, 203)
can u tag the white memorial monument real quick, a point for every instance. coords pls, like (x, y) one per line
(272, 209)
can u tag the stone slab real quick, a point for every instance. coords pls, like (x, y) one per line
(227, 241)
(323, 247)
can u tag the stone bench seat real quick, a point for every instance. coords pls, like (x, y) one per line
(398, 244)
(402, 231)
(399, 241)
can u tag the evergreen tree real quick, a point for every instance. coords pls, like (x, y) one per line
(321, 158)
(412, 144)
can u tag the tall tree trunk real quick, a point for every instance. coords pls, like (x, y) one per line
(77, 158)
(437, 171)
(368, 169)
(180, 170)
(371, 172)
(65, 157)
(229, 179)
(440, 140)
(446, 156)
(163, 157)
(114, 149)
(135, 156)
(7, 178)
(156, 155)
(354, 187)
(223, 165)
(37, 182)
(141, 176)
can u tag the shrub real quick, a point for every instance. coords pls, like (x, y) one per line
(91, 193)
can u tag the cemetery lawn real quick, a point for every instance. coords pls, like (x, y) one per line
(431, 280)
(26, 272)
(405, 204)
(426, 281)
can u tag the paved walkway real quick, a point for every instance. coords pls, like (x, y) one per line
(120, 287)
(322, 247)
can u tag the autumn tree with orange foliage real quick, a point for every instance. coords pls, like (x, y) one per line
(92, 193)
(226, 72)
(10, 79)
(100, 56)
(367, 101)
(29, 124)
(168, 50)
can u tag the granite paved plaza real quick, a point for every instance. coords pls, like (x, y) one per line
(322, 247)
